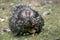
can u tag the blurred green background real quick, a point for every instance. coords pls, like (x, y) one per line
(51, 29)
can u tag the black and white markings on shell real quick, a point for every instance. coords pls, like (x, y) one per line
(21, 24)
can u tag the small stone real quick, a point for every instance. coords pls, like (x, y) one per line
(46, 13)
(5, 30)
(1, 20)
(8, 30)
(12, 4)
(26, 39)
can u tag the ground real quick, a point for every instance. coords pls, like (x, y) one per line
(51, 29)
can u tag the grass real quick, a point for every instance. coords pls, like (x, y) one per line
(51, 29)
